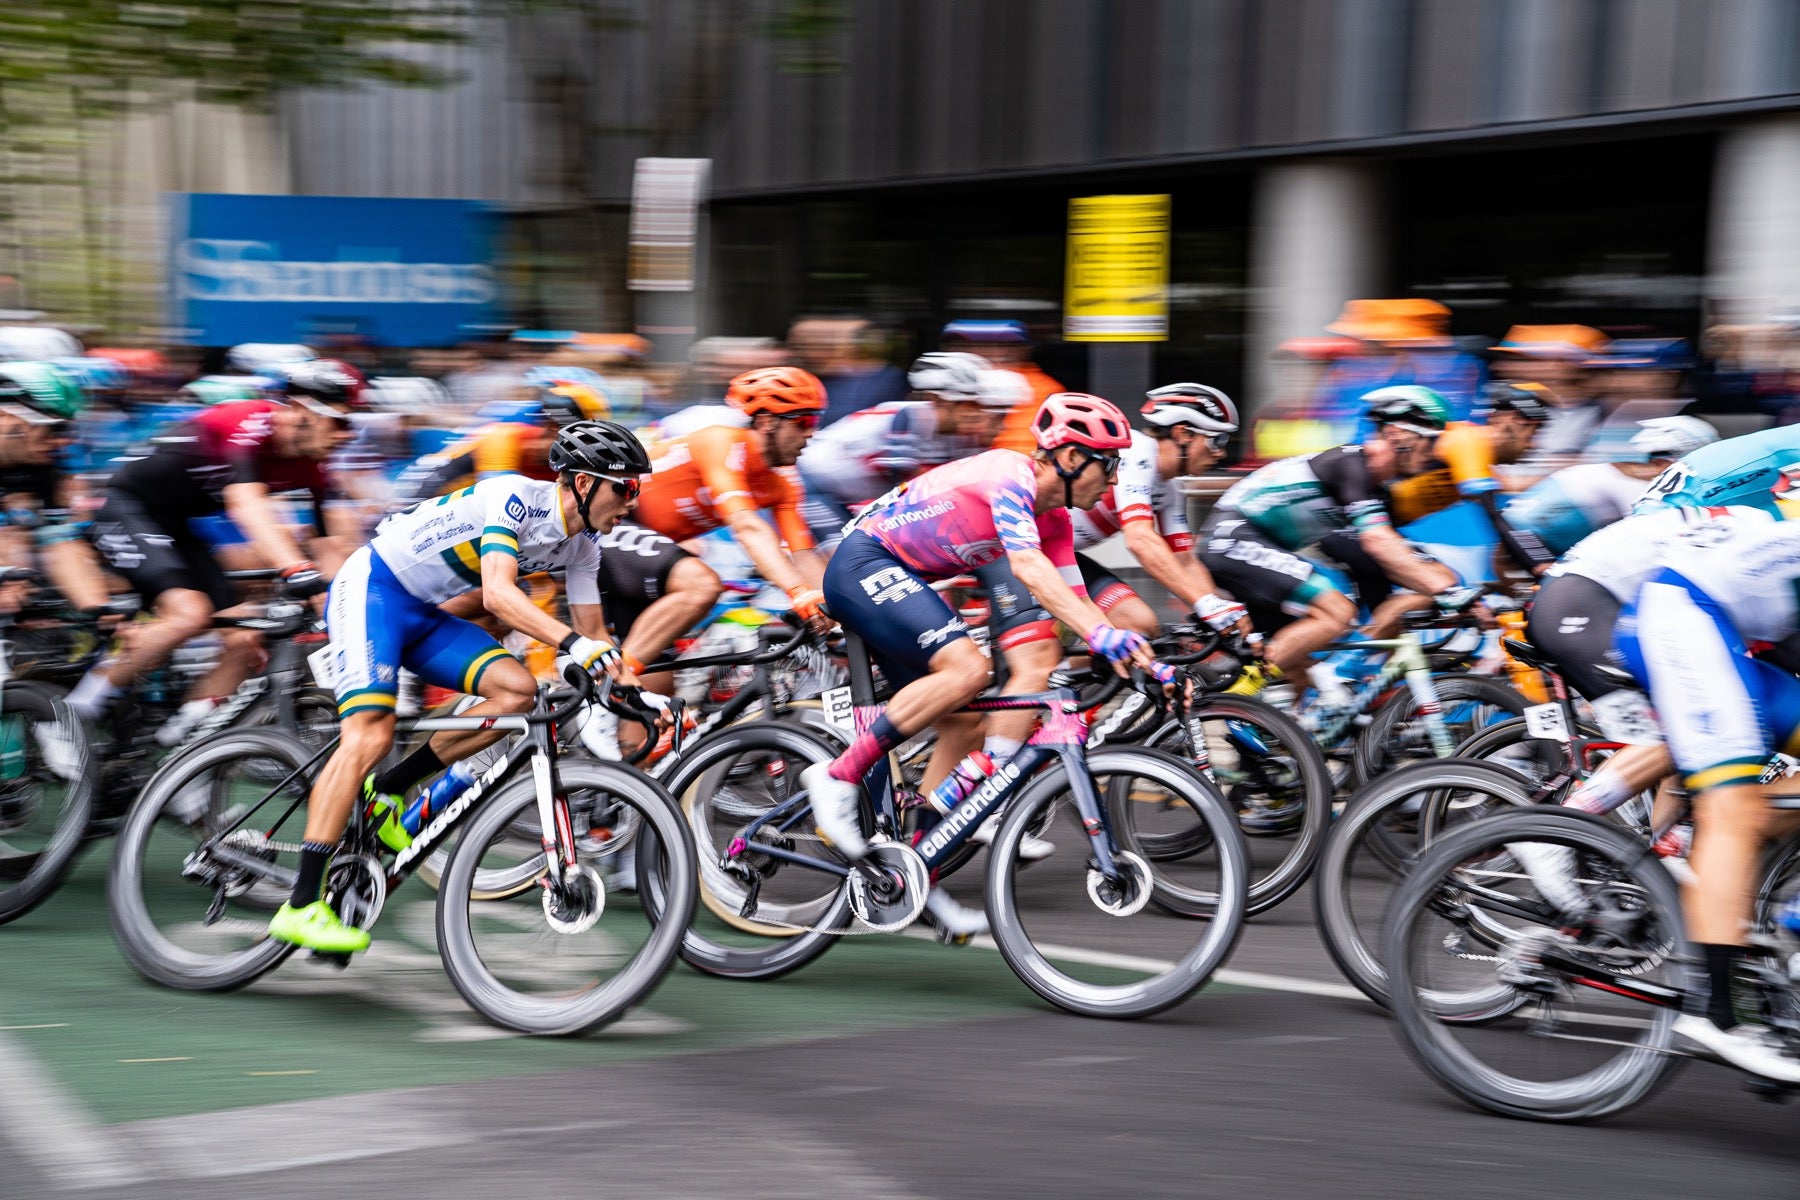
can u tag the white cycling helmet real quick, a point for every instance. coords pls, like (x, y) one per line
(1005, 390)
(254, 356)
(1672, 437)
(1204, 408)
(949, 374)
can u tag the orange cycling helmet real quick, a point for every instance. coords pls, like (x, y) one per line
(778, 390)
(1077, 419)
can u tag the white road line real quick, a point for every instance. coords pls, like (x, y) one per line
(53, 1132)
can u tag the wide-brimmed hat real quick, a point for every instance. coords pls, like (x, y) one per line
(1561, 343)
(1408, 320)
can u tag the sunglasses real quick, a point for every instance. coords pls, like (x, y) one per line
(807, 421)
(628, 488)
(1109, 463)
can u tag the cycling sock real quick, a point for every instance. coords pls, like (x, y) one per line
(309, 880)
(1720, 961)
(409, 772)
(1599, 795)
(89, 698)
(866, 751)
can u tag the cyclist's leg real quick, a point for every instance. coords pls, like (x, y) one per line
(1386, 604)
(1571, 621)
(1723, 714)
(1025, 633)
(921, 645)
(1289, 599)
(1116, 598)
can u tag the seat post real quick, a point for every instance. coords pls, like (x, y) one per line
(862, 675)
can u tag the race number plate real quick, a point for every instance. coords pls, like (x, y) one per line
(1546, 721)
(324, 670)
(840, 713)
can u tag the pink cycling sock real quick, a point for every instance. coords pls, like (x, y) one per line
(865, 751)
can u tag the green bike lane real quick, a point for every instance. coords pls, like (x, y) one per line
(122, 1049)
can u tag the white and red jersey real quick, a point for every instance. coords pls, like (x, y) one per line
(1139, 494)
(863, 455)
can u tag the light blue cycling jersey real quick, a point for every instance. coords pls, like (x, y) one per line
(1574, 502)
(1738, 470)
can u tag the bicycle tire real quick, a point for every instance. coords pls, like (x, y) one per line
(566, 1013)
(1310, 777)
(1335, 906)
(150, 953)
(1375, 745)
(1435, 887)
(1179, 979)
(721, 893)
(30, 876)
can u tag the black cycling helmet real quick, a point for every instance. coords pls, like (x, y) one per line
(1527, 399)
(599, 448)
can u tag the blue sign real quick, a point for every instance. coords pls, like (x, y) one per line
(294, 268)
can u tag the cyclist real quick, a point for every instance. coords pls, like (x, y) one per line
(866, 453)
(1334, 501)
(1724, 713)
(1567, 506)
(229, 459)
(384, 615)
(958, 516)
(1190, 426)
(723, 475)
(37, 526)
(1739, 470)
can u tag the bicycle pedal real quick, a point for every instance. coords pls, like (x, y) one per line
(1768, 1090)
(339, 961)
(953, 939)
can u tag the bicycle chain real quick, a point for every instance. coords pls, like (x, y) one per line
(776, 923)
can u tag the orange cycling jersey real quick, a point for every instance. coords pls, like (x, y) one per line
(700, 480)
(502, 448)
(1464, 469)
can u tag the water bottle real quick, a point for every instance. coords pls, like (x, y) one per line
(435, 798)
(963, 779)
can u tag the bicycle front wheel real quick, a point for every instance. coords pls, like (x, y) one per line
(1469, 920)
(1400, 730)
(567, 958)
(46, 795)
(1095, 945)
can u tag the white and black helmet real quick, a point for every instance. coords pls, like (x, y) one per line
(1204, 408)
(1672, 437)
(948, 373)
(599, 448)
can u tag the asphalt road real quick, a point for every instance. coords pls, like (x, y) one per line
(892, 1067)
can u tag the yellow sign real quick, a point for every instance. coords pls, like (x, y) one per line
(1117, 286)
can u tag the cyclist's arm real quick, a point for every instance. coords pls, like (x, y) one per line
(249, 507)
(1183, 574)
(1400, 563)
(502, 596)
(760, 542)
(1040, 577)
(1522, 546)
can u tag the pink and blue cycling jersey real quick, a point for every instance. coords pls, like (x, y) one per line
(966, 514)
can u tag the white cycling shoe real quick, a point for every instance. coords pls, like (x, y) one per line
(1749, 1048)
(1031, 847)
(834, 807)
(954, 919)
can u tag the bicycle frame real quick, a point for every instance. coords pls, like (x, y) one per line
(1405, 658)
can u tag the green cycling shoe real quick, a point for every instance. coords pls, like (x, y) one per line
(387, 807)
(317, 927)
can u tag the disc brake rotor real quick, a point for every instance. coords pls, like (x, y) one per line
(575, 905)
(1126, 894)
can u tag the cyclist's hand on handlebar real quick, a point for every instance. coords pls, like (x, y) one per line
(1121, 647)
(595, 657)
(1222, 615)
(809, 604)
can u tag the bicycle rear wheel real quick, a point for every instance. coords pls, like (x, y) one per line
(1098, 947)
(723, 785)
(560, 961)
(1469, 921)
(1398, 734)
(190, 903)
(1372, 845)
(46, 795)
(1271, 773)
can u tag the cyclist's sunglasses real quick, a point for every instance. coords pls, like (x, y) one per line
(808, 421)
(1109, 463)
(628, 488)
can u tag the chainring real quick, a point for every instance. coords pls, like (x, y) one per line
(891, 908)
(356, 885)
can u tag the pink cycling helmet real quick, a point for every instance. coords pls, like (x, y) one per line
(1077, 419)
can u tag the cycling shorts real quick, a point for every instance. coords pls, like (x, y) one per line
(1723, 712)
(377, 627)
(1275, 585)
(1572, 621)
(890, 607)
(1104, 588)
(1014, 615)
(155, 558)
(634, 573)
(824, 513)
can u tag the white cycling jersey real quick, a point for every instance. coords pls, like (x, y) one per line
(434, 548)
(868, 452)
(1623, 555)
(1573, 503)
(1749, 569)
(1139, 493)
